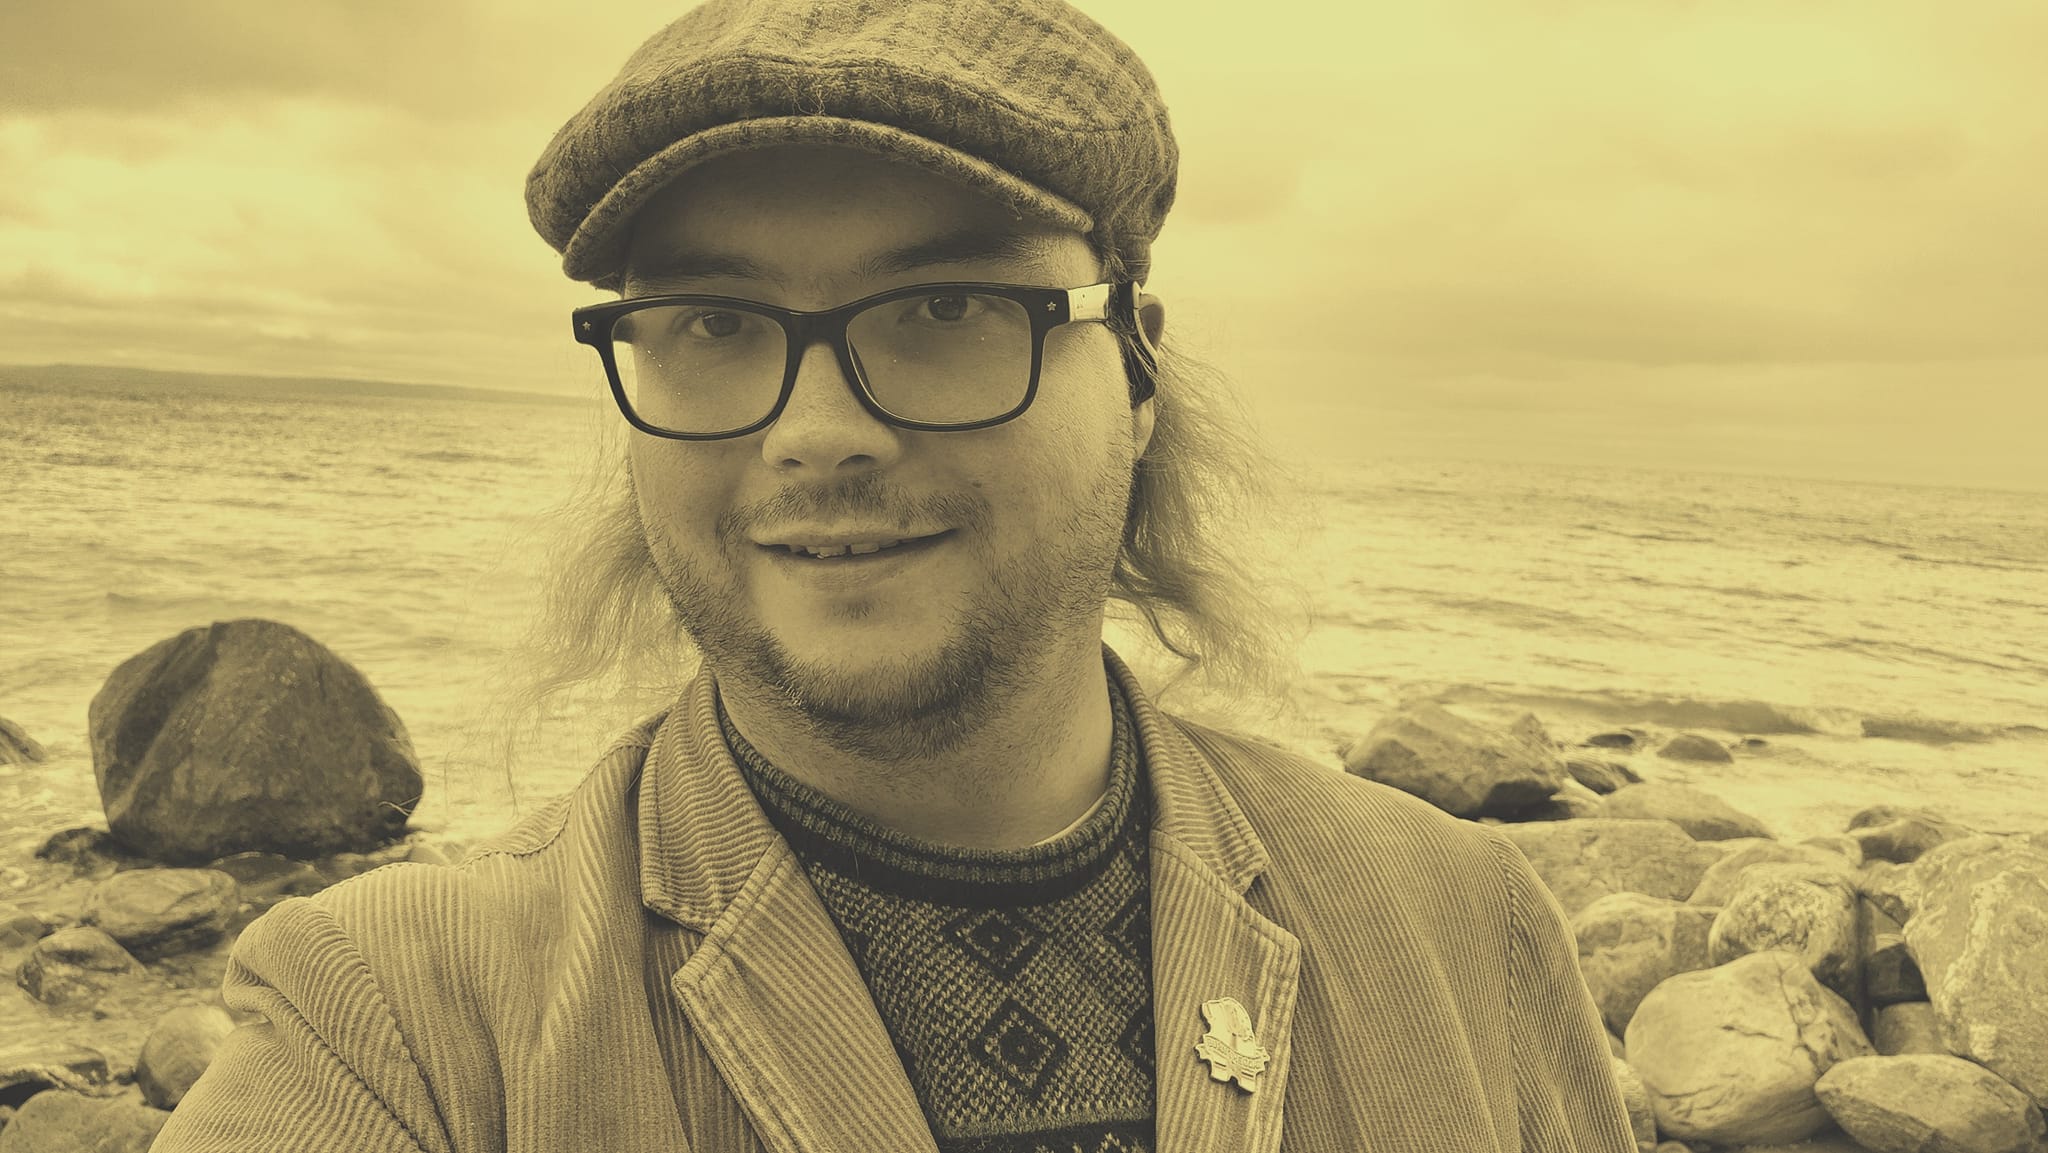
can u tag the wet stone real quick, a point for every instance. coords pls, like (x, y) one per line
(155, 912)
(28, 1069)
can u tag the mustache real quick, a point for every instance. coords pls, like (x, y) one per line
(867, 497)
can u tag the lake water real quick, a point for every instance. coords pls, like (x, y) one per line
(398, 531)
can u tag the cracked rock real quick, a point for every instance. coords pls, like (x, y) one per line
(1730, 1055)
(1936, 1104)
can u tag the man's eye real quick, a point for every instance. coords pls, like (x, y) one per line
(952, 307)
(716, 325)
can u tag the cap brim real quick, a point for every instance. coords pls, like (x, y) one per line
(596, 252)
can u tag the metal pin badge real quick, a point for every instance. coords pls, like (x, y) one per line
(1229, 1047)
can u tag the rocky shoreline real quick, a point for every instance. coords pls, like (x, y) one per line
(1883, 988)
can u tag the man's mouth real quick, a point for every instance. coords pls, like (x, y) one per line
(853, 548)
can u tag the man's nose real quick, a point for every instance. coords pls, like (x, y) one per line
(825, 428)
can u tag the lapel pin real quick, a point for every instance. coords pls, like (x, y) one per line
(1229, 1047)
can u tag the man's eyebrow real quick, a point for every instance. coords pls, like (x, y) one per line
(693, 264)
(957, 247)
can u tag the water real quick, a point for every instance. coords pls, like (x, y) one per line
(397, 530)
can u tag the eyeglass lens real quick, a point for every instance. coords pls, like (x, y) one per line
(949, 358)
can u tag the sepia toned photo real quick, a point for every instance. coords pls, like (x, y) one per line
(1024, 576)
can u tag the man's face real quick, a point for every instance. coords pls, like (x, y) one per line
(1010, 532)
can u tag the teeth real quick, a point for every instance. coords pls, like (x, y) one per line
(832, 550)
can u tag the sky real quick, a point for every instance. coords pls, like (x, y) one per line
(1797, 237)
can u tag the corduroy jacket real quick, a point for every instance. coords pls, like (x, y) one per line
(643, 965)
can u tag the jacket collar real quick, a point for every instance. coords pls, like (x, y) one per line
(690, 783)
(781, 1009)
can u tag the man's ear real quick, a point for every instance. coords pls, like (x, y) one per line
(1151, 326)
(1151, 320)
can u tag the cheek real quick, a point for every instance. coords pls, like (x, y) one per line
(677, 492)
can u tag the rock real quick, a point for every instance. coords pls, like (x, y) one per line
(1796, 908)
(1701, 814)
(1641, 1117)
(1615, 1047)
(1583, 861)
(1629, 944)
(1731, 1054)
(1887, 833)
(75, 966)
(1889, 887)
(1602, 777)
(1907, 1027)
(40, 1065)
(1926, 1102)
(264, 879)
(156, 912)
(87, 850)
(1694, 747)
(1980, 935)
(248, 735)
(180, 1047)
(1457, 766)
(20, 928)
(17, 747)
(1617, 740)
(1725, 875)
(1572, 802)
(1889, 974)
(61, 1122)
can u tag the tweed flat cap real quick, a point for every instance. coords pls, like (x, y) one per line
(1028, 101)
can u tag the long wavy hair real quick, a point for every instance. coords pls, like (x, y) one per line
(1201, 603)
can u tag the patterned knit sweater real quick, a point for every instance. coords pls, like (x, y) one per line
(1016, 984)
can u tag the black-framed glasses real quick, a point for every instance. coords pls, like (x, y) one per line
(944, 357)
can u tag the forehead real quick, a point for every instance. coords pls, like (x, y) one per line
(811, 213)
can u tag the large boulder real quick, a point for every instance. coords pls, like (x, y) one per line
(1927, 1102)
(16, 746)
(1701, 814)
(75, 966)
(181, 1044)
(1629, 944)
(248, 735)
(1796, 908)
(1730, 1054)
(58, 1121)
(1724, 876)
(1456, 765)
(1979, 931)
(156, 912)
(1583, 861)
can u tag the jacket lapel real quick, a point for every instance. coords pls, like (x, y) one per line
(1209, 943)
(771, 993)
(778, 1005)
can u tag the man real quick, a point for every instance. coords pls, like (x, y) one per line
(914, 862)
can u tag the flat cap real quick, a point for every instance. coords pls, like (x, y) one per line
(1028, 101)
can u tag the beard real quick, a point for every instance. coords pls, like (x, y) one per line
(1002, 640)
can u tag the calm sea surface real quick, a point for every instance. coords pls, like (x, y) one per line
(399, 531)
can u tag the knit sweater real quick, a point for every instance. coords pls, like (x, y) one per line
(1015, 984)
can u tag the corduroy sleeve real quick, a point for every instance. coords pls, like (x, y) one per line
(327, 1068)
(1569, 1099)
